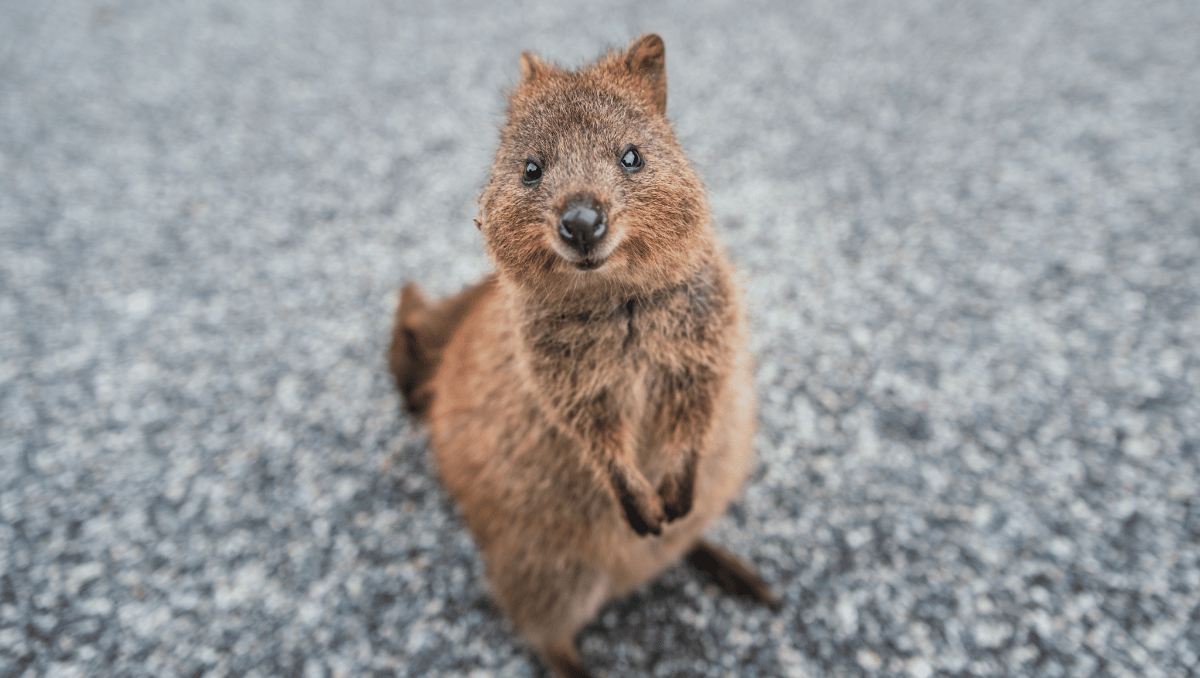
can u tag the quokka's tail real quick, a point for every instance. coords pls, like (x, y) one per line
(421, 334)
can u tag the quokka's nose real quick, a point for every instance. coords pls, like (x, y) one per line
(582, 226)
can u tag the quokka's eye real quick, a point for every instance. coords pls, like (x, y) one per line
(533, 172)
(631, 160)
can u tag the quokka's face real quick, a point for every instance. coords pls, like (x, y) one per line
(588, 184)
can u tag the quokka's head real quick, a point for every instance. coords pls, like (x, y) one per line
(589, 188)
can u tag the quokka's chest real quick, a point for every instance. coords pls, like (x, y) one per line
(625, 342)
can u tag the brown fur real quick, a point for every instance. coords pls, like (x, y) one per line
(590, 415)
(421, 334)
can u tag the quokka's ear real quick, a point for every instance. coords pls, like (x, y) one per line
(646, 58)
(532, 67)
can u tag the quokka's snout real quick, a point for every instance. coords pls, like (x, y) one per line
(583, 224)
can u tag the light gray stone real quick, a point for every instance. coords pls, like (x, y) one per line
(970, 235)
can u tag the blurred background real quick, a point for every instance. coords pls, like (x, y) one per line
(970, 233)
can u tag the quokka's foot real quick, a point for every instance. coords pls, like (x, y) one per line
(564, 663)
(731, 573)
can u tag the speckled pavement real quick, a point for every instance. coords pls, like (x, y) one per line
(971, 240)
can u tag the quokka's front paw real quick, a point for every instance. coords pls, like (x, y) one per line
(644, 512)
(642, 507)
(676, 489)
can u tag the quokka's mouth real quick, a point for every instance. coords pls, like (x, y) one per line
(591, 260)
(589, 264)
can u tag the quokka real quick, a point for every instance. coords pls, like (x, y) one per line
(590, 401)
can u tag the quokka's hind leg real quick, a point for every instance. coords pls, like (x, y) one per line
(421, 333)
(549, 599)
(563, 662)
(731, 573)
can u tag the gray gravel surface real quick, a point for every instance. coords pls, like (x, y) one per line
(971, 239)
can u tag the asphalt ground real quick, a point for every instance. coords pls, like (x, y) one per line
(970, 234)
